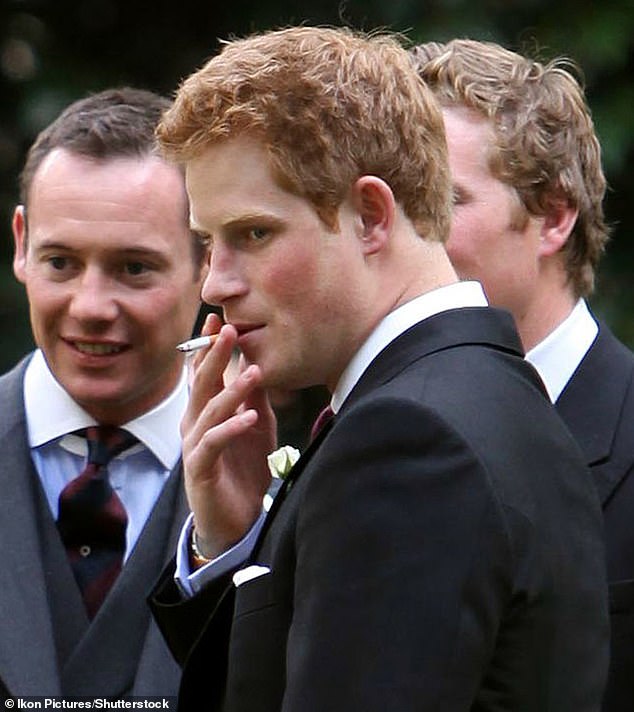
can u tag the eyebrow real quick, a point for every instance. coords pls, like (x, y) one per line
(123, 250)
(239, 222)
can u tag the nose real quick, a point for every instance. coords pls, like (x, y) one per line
(226, 278)
(93, 298)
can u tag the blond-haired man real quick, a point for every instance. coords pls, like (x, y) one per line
(528, 223)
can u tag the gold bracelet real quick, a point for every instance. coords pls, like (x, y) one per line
(196, 557)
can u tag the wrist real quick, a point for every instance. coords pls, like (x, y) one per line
(197, 557)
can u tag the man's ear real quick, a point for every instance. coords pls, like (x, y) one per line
(558, 223)
(375, 204)
(18, 225)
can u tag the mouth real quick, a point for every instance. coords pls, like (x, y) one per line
(92, 348)
(246, 329)
(247, 334)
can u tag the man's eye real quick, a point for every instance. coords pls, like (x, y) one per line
(135, 268)
(258, 233)
(458, 197)
(57, 263)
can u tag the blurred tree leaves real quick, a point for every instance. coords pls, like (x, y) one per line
(54, 51)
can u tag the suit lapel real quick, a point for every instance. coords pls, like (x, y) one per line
(158, 673)
(591, 406)
(287, 483)
(26, 635)
(483, 326)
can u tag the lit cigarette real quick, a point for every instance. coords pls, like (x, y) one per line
(198, 343)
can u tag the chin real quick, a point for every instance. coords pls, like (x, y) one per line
(274, 379)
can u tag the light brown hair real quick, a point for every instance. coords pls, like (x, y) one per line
(545, 143)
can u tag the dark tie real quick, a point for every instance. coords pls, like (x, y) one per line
(92, 521)
(324, 416)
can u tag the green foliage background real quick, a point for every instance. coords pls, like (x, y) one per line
(54, 51)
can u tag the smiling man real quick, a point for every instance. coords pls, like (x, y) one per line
(113, 276)
(438, 546)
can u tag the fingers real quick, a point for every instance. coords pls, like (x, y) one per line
(231, 398)
(207, 447)
(212, 324)
(222, 413)
(228, 428)
(208, 367)
(258, 399)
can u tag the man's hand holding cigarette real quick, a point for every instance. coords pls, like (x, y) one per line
(227, 433)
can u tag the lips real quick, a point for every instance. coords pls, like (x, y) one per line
(97, 349)
(244, 329)
(248, 336)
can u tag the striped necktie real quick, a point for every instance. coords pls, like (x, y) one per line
(92, 521)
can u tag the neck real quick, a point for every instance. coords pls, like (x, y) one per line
(543, 318)
(421, 273)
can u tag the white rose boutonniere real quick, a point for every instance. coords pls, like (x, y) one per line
(281, 461)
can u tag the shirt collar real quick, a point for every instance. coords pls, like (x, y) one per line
(453, 296)
(557, 357)
(51, 413)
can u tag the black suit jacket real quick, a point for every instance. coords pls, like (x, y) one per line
(438, 547)
(47, 645)
(598, 407)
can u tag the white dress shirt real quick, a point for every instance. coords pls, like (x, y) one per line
(558, 356)
(137, 475)
(453, 296)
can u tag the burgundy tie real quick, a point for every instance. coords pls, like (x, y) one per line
(324, 416)
(92, 521)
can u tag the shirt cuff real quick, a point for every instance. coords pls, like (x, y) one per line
(191, 582)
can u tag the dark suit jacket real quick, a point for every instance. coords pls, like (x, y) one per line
(47, 645)
(439, 548)
(598, 407)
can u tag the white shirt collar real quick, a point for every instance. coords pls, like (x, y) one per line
(453, 296)
(51, 413)
(557, 357)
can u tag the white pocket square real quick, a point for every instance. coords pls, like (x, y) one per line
(249, 573)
